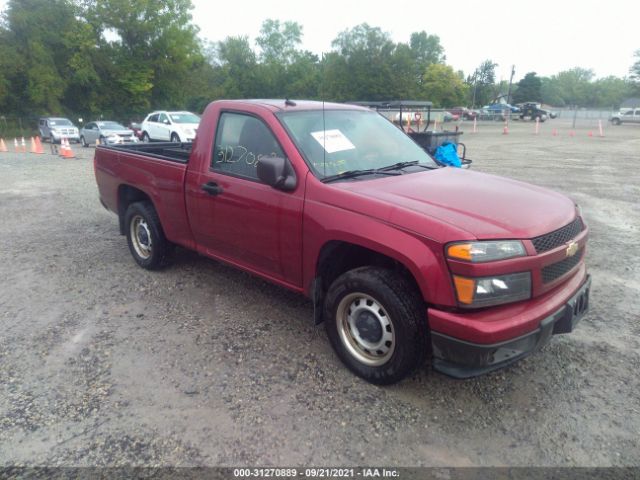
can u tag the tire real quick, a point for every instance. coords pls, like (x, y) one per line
(83, 142)
(175, 138)
(616, 121)
(145, 137)
(145, 237)
(376, 322)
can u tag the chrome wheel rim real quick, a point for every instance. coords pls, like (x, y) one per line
(141, 237)
(365, 329)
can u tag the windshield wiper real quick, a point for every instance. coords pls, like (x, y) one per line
(399, 165)
(357, 173)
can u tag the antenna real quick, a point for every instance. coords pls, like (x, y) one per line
(324, 127)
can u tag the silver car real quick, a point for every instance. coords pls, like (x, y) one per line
(55, 129)
(106, 132)
(626, 116)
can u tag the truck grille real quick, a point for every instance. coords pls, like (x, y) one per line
(558, 237)
(558, 269)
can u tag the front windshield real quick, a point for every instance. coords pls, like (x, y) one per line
(111, 126)
(337, 141)
(60, 122)
(184, 117)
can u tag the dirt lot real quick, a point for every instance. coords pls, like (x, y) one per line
(103, 363)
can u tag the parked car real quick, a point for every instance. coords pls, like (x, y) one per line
(447, 116)
(106, 132)
(464, 112)
(54, 129)
(533, 111)
(401, 258)
(500, 111)
(628, 116)
(170, 126)
(137, 129)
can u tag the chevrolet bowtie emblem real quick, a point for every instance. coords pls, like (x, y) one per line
(572, 249)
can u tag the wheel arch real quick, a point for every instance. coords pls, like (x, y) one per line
(338, 256)
(126, 196)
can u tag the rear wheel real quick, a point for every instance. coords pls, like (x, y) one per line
(376, 323)
(147, 243)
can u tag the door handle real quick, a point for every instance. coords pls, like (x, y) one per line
(212, 188)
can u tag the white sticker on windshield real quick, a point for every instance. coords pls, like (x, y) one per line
(333, 140)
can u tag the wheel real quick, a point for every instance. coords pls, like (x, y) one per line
(376, 322)
(616, 121)
(175, 138)
(102, 140)
(145, 236)
(145, 137)
(83, 142)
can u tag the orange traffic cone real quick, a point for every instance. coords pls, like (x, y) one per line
(16, 147)
(505, 130)
(97, 142)
(572, 133)
(590, 134)
(3, 146)
(554, 132)
(23, 146)
(39, 148)
(65, 150)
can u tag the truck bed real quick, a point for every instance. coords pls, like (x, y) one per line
(174, 152)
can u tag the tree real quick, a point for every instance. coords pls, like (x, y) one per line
(443, 86)
(573, 86)
(635, 68)
(482, 83)
(34, 33)
(279, 42)
(154, 51)
(528, 89)
(609, 92)
(362, 68)
(236, 75)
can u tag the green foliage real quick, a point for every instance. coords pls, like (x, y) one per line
(121, 58)
(445, 88)
(481, 84)
(528, 89)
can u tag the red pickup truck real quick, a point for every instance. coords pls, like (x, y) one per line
(401, 257)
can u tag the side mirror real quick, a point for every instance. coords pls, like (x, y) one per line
(277, 173)
(166, 122)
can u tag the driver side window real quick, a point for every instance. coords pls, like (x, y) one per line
(241, 140)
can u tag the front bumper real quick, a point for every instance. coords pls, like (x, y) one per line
(462, 359)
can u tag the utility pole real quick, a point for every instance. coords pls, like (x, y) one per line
(513, 72)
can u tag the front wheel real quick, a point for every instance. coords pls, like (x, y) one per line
(616, 121)
(376, 322)
(145, 137)
(175, 138)
(147, 243)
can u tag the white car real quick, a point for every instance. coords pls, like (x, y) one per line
(166, 126)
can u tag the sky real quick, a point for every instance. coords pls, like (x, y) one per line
(544, 36)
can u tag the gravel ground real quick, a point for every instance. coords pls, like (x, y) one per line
(104, 363)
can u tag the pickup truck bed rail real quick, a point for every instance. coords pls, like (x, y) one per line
(174, 152)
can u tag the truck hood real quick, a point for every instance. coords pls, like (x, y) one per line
(483, 205)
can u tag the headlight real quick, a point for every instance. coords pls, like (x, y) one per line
(488, 251)
(486, 291)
